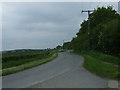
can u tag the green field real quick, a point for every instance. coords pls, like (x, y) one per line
(11, 60)
(101, 64)
(15, 62)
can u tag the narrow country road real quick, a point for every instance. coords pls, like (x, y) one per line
(65, 71)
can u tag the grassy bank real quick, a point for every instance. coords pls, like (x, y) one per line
(32, 63)
(101, 64)
(15, 59)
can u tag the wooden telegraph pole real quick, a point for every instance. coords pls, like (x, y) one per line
(89, 34)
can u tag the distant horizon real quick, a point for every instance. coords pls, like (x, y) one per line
(26, 49)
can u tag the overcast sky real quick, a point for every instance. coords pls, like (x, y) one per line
(42, 25)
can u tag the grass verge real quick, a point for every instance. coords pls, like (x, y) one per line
(15, 59)
(101, 65)
(22, 67)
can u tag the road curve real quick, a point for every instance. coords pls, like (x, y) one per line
(65, 71)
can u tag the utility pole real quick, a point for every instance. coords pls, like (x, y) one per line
(63, 41)
(89, 34)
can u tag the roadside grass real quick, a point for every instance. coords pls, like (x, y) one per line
(106, 58)
(25, 66)
(13, 63)
(102, 65)
(12, 60)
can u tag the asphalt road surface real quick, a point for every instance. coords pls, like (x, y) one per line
(66, 71)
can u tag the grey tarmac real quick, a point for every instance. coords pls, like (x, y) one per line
(66, 71)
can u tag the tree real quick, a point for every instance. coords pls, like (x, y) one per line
(67, 45)
(105, 33)
(59, 47)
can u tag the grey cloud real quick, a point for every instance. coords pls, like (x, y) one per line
(42, 25)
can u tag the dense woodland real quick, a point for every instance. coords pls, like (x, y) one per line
(104, 33)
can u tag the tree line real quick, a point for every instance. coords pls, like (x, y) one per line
(104, 33)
